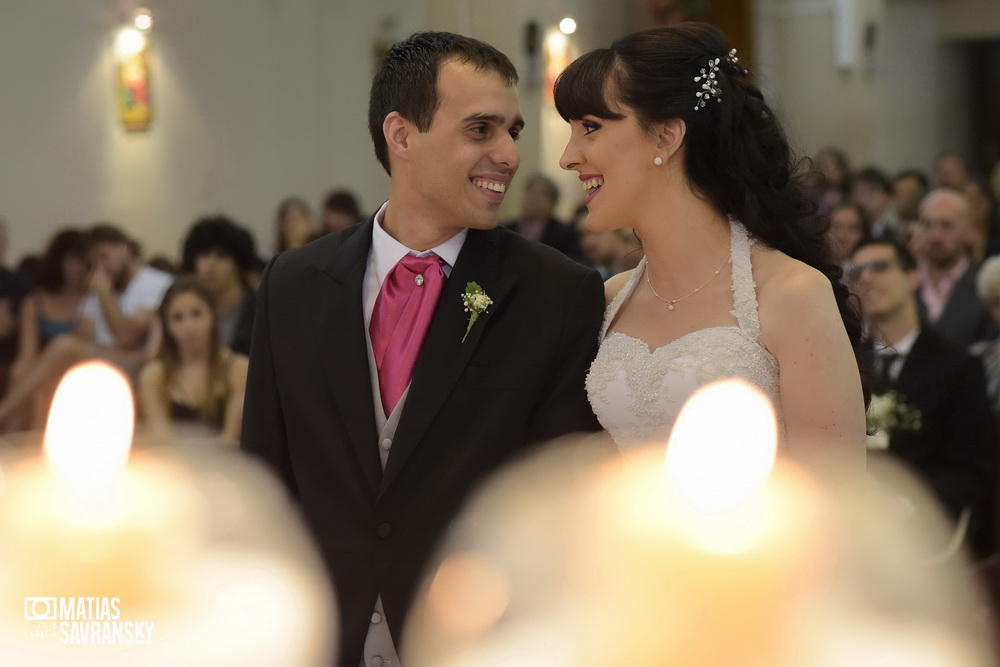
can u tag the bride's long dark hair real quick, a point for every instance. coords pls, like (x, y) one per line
(736, 157)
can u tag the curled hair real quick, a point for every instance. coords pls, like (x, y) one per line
(223, 235)
(49, 274)
(736, 154)
(406, 82)
(343, 201)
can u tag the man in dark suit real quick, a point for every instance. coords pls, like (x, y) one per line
(538, 221)
(380, 457)
(953, 447)
(948, 300)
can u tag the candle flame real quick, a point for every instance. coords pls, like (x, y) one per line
(721, 453)
(89, 430)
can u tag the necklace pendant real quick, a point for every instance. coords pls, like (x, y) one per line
(670, 306)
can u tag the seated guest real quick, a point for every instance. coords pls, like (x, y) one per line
(988, 351)
(832, 182)
(13, 288)
(949, 439)
(293, 224)
(951, 171)
(908, 190)
(221, 254)
(603, 250)
(340, 209)
(116, 318)
(538, 222)
(848, 227)
(194, 381)
(947, 299)
(985, 225)
(52, 308)
(872, 190)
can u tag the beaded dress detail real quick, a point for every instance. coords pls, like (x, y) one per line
(637, 393)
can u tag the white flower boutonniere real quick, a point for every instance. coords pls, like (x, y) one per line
(887, 413)
(476, 302)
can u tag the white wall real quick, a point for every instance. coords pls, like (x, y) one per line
(253, 100)
(258, 99)
(895, 105)
(924, 98)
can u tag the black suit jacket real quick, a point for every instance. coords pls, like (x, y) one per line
(964, 320)
(518, 379)
(954, 450)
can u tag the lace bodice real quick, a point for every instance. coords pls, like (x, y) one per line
(637, 393)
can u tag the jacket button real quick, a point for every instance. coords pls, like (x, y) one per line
(384, 530)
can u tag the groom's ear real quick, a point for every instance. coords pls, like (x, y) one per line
(670, 136)
(396, 130)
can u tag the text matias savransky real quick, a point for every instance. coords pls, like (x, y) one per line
(86, 620)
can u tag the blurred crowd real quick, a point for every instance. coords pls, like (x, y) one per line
(921, 252)
(180, 327)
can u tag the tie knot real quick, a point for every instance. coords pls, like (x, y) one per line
(420, 264)
(888, 356)
(415, 271)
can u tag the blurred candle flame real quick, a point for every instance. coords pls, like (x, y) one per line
(88, 436)
(469, 593)
(717, 464)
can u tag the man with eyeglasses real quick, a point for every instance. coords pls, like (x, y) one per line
(952, 447)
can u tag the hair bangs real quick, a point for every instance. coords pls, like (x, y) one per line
(582, 89)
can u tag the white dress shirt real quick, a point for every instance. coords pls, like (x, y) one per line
(385, 253)
(901, 349)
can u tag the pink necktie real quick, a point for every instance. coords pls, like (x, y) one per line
(403, 311)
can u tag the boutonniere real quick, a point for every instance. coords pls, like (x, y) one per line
(476, 302)
(889, 412)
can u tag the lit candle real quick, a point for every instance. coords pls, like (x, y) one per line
(643, 558)
(155, 560)
(75, 524)
(713, 552)
(711, 540)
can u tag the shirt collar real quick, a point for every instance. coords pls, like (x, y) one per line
(387, 251)
(950, 278)
(902, 347)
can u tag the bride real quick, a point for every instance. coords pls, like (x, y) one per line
(670, 136)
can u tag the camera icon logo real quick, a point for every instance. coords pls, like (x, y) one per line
(40, 609)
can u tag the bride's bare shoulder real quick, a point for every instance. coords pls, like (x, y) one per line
(615, 284)
(784, 284)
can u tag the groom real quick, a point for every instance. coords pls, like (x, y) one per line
(373, 392)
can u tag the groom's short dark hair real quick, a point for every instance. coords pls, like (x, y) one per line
(406, 81)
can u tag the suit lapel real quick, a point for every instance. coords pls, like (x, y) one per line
(444, 356)
(345, 361)
(958, 301)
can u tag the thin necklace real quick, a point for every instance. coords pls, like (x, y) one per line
(670, 302)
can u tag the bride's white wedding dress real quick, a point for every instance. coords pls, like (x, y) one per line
(637, 393)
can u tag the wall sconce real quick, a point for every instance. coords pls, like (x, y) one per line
(557, 58)
(132, 72)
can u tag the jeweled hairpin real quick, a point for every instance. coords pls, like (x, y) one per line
(710, 86)
(735, 62)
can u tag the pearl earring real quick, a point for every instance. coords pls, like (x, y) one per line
(657, 160)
